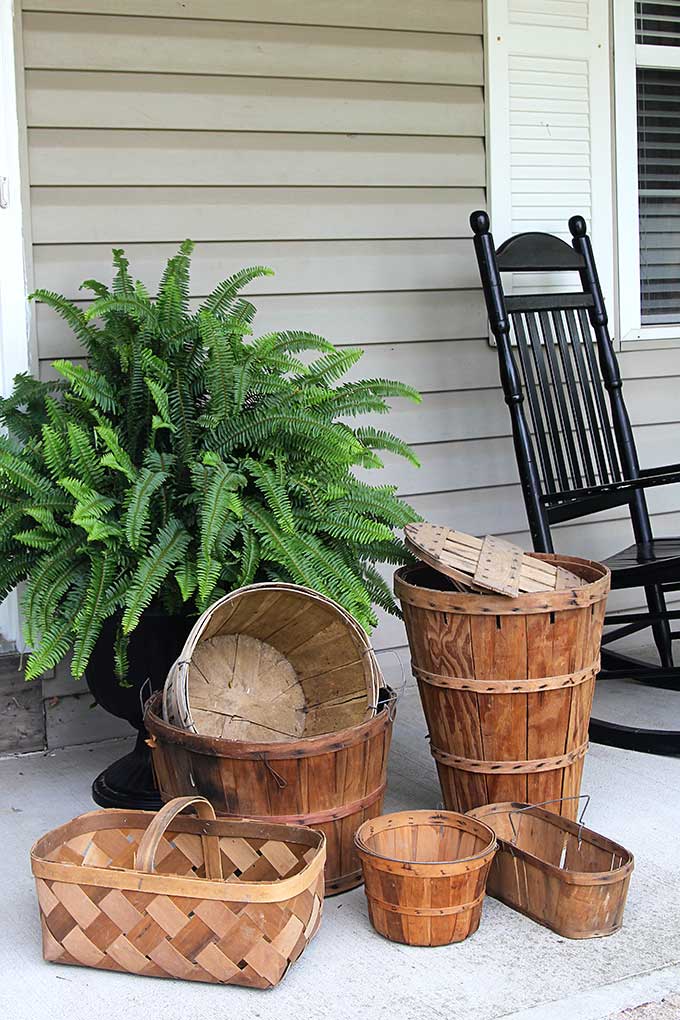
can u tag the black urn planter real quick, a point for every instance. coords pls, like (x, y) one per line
(154, 646)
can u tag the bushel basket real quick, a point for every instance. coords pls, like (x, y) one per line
(168, 895)
(273, 662)
(332, 782)
(506, 683)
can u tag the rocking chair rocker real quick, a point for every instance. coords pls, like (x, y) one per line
(576, 452)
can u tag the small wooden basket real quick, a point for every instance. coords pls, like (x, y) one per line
(557, 872)
(273, 662)
(425, 875)
(224, 901)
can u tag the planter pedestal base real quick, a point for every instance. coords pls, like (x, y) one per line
(129, 783)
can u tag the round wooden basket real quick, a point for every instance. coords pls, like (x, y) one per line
(506, 683)
(332, 782)
(425, 874)
(273, 662)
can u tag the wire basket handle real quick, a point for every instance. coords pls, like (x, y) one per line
(554, 800)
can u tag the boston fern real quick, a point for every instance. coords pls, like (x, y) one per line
(186, 458)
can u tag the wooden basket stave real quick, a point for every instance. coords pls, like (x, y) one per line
(506, 684)
(145, 893)
(328, 651)
(418, 901)
(583, 898)
(333, 783)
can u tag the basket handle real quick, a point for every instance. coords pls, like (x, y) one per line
(146, 851)
(554, 800)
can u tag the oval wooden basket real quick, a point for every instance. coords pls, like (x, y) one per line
(332, 783)
(506, 683)
(425, 874)
(556, 871)
(273, 662)
(166, 895)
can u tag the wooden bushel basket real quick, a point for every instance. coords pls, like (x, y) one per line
(166, 895)
(332, 782)
(506, 683)
(425, 874)
(557, 872)
(273, 662)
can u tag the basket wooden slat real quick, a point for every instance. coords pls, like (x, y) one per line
(425, 875)
(556, 871)
(332, 782)
(273, 662)
(167, 895)
(506, 683)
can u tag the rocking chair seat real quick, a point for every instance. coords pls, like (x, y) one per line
(646, 563)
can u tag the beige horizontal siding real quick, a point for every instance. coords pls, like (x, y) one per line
(132, 158)
(420, 15)
(170, 46)
(106, 215)
(195, 102)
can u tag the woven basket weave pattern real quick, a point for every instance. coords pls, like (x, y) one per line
(160, 934)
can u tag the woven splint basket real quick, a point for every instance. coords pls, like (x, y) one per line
(168, 895)
(273, 662)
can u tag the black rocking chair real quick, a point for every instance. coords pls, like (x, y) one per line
(576, 454)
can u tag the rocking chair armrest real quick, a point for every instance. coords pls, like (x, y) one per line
(666, 469)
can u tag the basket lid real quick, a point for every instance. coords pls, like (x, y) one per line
(485, 565)
(273, 662)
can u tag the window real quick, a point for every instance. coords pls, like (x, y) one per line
(647, 61)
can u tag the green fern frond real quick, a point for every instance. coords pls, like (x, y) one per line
(138, 501)
(221, 301)
(377, 439)
(88, 384)
(169, 547)
(97, 606)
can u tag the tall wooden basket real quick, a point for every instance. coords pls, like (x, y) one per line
(332, 783)
(506, 683)
(165, 895)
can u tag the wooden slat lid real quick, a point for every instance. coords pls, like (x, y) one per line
(485, 565)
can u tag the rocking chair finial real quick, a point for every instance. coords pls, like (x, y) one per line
(578, 226)
(479, 221)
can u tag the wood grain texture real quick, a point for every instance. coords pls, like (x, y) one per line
(506, 684)
(273, 662)
(166, 895)
(425, 875)
(333, 782)
(557, 872)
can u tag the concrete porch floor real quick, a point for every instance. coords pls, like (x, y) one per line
(511, 968)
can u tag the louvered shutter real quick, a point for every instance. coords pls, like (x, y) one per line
(549, 124)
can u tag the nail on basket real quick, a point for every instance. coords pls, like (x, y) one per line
(167, 895)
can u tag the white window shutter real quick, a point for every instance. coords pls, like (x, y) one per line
(549, 125)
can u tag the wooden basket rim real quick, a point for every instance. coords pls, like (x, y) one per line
(365, 651)
(133, 880)
(568, 875)
(473, 603)
(415, 818)
(302, 747)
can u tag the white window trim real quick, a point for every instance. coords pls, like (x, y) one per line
(628, 56)
(15, 348)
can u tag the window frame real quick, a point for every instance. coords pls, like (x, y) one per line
(628, 56)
